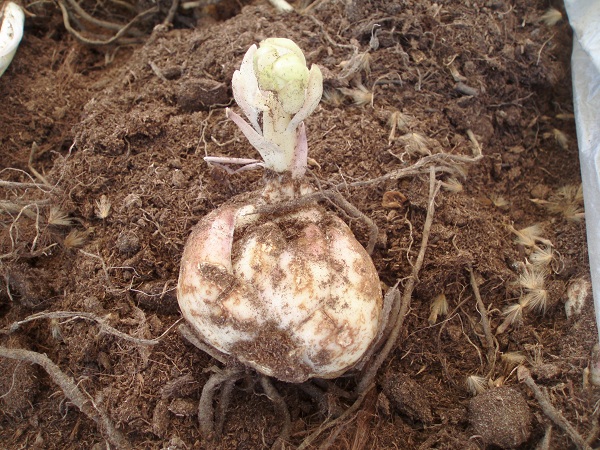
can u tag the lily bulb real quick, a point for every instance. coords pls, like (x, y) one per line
(11, 32)
(291, 294)
(273, 80)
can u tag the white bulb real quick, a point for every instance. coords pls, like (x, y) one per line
(300, 297)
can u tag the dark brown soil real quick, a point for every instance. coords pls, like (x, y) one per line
(114, 138)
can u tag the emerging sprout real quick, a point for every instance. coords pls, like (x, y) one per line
(274, 81)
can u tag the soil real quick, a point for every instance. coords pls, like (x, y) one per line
(102, 178)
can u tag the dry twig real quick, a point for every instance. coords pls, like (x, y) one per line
(370, 373)
(485, 323)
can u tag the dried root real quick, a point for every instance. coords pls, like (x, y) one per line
(367, 381)
(206, 415)
(396, 308)
(73, 393)
(72, 11)
(211, 427)
(551, 412)
(73, 315)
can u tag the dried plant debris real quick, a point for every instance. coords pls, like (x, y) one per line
(566, 201)
(360, 95)
(529, 236)
(561, 138)
(398, 122)
(542, 261)
(57, 217)
(418, 144)
(476, 384)
(103, 207)
(333, 97)
(578, 295)
(513, 316)
(76, 239)
(542, 257)
(531, 278)
(394, 200)
(535, 300)
(499, 201)
(452, 185)
(513, 359)
(439, 307)
(551, 17)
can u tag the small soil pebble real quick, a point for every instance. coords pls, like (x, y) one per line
(407, 397)
(128, 243)
(501, 417)
(154, 296)
(201, 95)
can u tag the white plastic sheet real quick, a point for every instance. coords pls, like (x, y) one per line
(584, 17)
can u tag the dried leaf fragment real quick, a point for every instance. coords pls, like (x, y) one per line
(439, 307)
(103, 207)
(58, 217)
(476, 384)
(551, 17)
